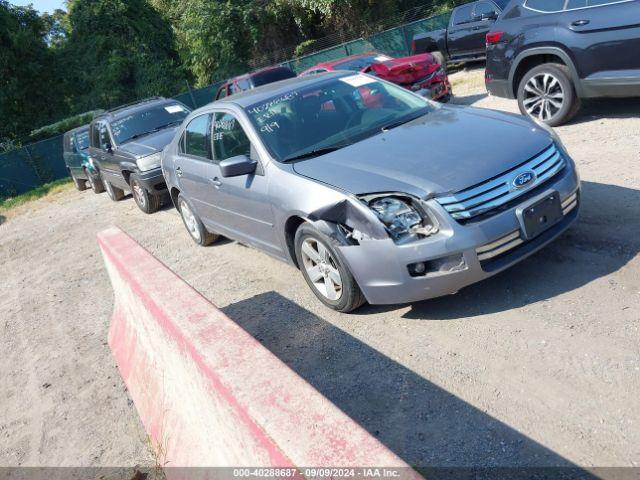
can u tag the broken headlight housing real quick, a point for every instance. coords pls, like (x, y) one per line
(403, 221)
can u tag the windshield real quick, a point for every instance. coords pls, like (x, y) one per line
(147, 121)
(332, 113)
(360, 63)
(82, 140)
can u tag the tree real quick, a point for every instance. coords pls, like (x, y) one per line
(27, 74)
(117, 51)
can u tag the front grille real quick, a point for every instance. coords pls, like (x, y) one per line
(492, 194)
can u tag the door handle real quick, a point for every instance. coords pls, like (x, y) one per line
(581, 23)
(179, 171)
(215, 182)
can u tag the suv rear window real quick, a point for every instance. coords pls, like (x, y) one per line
(546, 5)
(270, 76)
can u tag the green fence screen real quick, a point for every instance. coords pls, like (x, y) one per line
(41, 162)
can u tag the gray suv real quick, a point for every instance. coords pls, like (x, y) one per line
(125, 144)
(373, 192)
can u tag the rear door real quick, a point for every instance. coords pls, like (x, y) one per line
(194, 167)
(604, 36)
(460, 31)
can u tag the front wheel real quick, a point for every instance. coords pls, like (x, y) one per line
(546, 93)
(146, 201)
(325, 272)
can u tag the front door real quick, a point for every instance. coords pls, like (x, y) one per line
(242, 205)
(460, 31)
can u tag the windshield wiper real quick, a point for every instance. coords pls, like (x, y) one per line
(317, 152)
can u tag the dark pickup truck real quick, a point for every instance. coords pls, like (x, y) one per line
(465, 37)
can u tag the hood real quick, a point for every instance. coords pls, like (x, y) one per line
(149, 144)
(445, 151)
(406, 69)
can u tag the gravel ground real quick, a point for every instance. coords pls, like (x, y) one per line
(537, 366)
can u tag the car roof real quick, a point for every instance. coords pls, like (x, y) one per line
(265, 92)
(124, 110)
(255, 72)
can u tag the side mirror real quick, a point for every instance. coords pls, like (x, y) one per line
(489, 16)
(237, 166)
(108, 148)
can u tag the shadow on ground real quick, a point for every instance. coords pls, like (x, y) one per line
(419, 421)
(595, 109)
(602, 241)
(2, 219)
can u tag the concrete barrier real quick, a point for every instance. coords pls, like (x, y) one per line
(208, 393)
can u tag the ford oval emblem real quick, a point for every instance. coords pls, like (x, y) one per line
(524, 179)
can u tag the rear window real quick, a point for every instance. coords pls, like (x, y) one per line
(360, 63)
(270, 76)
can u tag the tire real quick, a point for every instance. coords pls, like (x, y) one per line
(115, 194)
(81, 185)
(316, 256)
(146, 201)
(547, 94)
(96, 185)
(439, 58)
(197, 231)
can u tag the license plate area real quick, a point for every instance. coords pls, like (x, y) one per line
(540, 215)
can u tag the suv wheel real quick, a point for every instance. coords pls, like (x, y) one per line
(148, 202)
(547, 94)
(325, 272)
(80, 184)
(115, 194)
(194, 226)
(96, 184)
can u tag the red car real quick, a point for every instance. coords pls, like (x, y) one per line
(418, 73)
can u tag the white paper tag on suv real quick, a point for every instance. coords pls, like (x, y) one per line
(174, 108)
(357, 80)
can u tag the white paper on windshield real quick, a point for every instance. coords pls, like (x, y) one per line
(382, 58)
(174, 109)
(357, 80)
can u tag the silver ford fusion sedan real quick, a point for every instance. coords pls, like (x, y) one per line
(373, 192)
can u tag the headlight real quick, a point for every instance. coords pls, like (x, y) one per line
(402, 220)
(149, 162)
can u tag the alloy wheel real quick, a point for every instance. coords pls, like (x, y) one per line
(543, 96)
(321, 269)
(139, 195)
(190, 220)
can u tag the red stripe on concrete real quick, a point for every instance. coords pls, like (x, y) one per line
(208, 393)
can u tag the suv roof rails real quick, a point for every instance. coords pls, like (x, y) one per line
(127, 105)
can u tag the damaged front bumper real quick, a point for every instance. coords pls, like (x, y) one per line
(459, 255)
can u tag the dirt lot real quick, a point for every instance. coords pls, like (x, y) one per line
(537, 366)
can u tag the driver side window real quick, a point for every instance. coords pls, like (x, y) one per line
(105, 138)
(228, 137)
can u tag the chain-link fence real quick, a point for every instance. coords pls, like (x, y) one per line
(41, 162)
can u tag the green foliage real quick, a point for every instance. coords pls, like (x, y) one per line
(303, 48)
(28, 76)
(64, 125)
